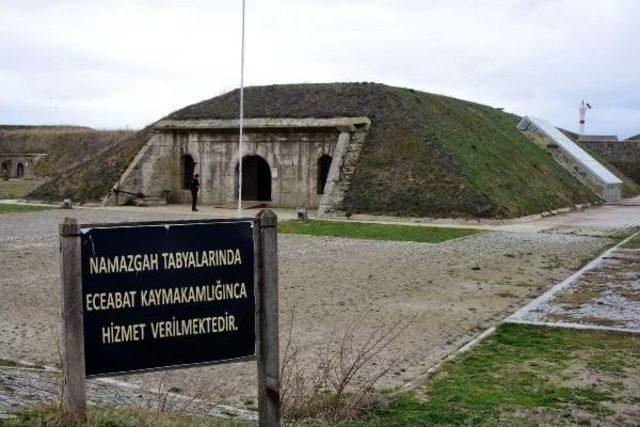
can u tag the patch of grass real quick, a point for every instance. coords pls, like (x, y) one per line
(507, 294)
(371, 231)
(11, 363)
(111, 416)
(515, 377)
(553, 262)
(5, 362)
(622, 234)
(17, 188)
(634, 243)
(11, 208)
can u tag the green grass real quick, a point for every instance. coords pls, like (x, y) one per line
(17, 188)
(634, 243)
(51, 416)
(370, 231)
(5, 362)
(11, 208)
(522, 375)
(11, 363)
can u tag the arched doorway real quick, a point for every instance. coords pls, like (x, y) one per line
(256, 179)
(5, 170)
(20, 170)
(188, 167)
(324, 164)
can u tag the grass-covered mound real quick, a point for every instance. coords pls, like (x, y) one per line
(91, 180)
(424, 155)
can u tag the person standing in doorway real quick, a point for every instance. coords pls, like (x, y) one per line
(195, 186)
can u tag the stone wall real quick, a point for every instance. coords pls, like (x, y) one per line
(344, 166)
(576, 169)
(624, 155)
(292, 156)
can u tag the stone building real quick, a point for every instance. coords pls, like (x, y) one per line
(19, 165)
(286, 162)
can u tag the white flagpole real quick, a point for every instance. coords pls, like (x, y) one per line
(241, 117)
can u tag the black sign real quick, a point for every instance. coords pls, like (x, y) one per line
(159, 295)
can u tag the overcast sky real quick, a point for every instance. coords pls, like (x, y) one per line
(114, 64)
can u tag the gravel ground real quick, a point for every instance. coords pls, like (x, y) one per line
(22, 386)
(442, 294)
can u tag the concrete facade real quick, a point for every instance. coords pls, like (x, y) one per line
(281, 166)
(19, 165)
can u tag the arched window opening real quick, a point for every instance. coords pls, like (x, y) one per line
(188, 167)
(324, 164)
(5, 170)
(20, 170)
(256, 179)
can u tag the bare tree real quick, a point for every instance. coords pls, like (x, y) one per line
(340, 384)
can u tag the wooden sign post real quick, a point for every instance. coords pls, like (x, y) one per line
(268, 347)
(162, 295)
(73, 371)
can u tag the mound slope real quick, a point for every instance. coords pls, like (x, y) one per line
(425, 154)
(65, 146)
(92, 179)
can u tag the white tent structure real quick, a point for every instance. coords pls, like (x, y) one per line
(575, 160)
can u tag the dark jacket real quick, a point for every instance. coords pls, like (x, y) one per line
(194, 185)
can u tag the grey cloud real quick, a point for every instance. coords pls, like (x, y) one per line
(131, 62)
